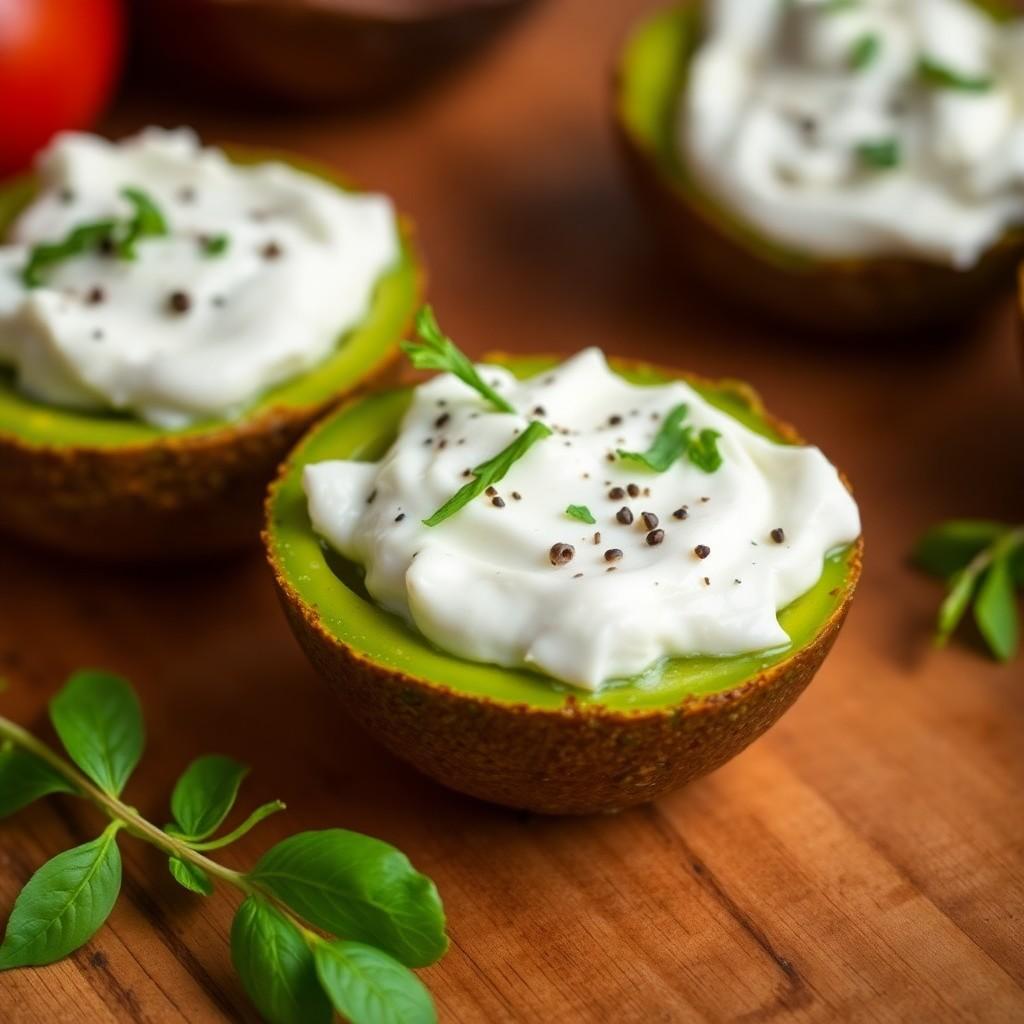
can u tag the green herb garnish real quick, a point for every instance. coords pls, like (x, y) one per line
(864, 51)
(703, 452)
(436, 351)
(581, 512)
(215, 245)
(490, 472)
(937, 74)
(881, 155)
(669, 443)
(302, 893)
(838, 6)
(146, 222)
(78, 240)
(983, 562)
(673, 441)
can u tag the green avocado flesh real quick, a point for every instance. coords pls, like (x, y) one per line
(358, 353)
(364, 430)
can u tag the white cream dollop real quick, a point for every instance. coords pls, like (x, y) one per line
(782, 98)
(481, 584)
(301, 263)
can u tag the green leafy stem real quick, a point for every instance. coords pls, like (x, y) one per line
(983, 564)
(331, 920)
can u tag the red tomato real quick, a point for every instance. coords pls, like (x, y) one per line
(58, 63)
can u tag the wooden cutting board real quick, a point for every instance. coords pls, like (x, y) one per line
(863, 861)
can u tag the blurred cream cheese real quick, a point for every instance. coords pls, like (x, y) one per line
(482, 584)
(190, 329)
(860, 127)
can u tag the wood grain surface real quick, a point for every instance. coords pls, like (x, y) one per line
(864, 861)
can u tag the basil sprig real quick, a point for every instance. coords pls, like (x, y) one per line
(983, 563)
(436, 351)
(673, 441)
(375, 915)
(146, 222)
(490, 472)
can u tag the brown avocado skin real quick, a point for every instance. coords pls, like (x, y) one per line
(173, 498)
(576, 759)
(314, 52)
(873, 295)
(579, 759)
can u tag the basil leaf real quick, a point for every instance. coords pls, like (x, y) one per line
(669, 443)
(490, 472)
(64, 904)
(436, 351)
(147, 222)
(75, 242)
(881, 155)
(205, 794)
(25, 778)
(353, 885)
(98, 719)
(367, 986)
(703, 452)
(948, 547)
(935, 73)
(581, 512)
(191, 877)
(952, 609)
(995, 610)
(276, 966)
(864, 51)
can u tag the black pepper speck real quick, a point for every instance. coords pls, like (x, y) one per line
(561, 554)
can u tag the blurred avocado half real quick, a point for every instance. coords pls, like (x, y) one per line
(853, 296)
(111, 487)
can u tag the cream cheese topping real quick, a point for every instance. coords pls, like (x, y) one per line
(860, 127)
(182, 333)
(482, 584)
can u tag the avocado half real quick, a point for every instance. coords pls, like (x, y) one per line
(109, 486)
(313, 52)
(833, 295)
(512, 736)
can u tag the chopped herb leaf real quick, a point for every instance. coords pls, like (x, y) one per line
(436, 351)
(580, 512)
(673, 441)
(704, 453)
(490, 472)
(838, 6)
(864, 51)
(147, 222)
(935, 73)
(669, 444)
(215, 245)
(880, 155)
(77, 241)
